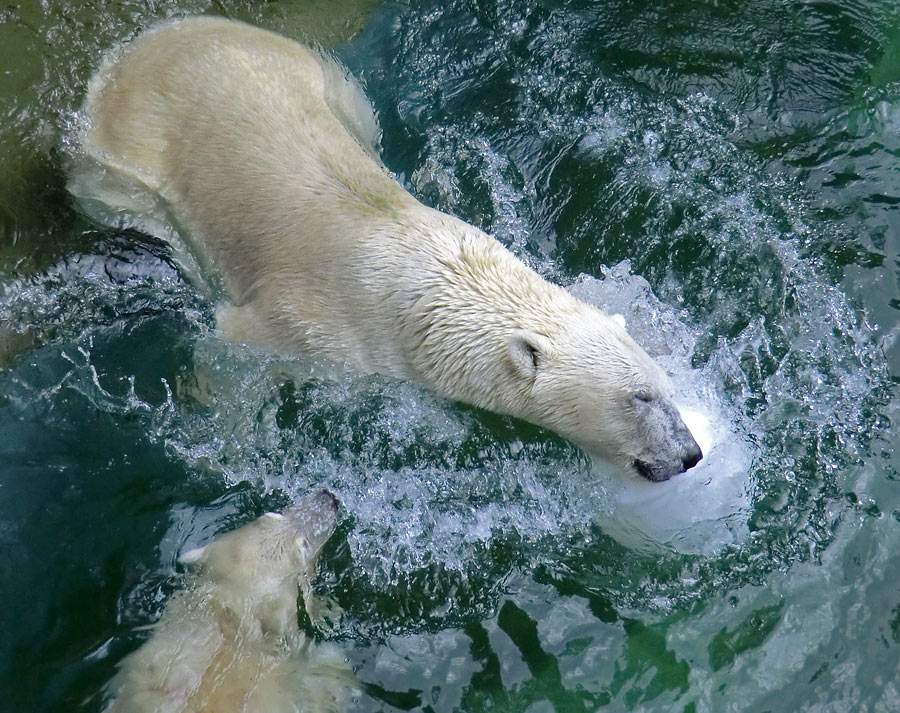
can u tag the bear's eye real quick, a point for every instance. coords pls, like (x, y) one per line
(644, 397)
(533, 353)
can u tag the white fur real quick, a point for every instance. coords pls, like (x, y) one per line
(261, 153)
(230, 642)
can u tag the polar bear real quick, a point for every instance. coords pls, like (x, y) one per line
(260, 153)
(230, 641)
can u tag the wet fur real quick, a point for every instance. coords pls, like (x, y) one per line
(230, 642)
(261, 152)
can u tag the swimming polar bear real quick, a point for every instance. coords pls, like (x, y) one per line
(261, 154)
(230, 641)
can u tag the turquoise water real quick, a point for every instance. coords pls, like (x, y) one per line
(725, 175)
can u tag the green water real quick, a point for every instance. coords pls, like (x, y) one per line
(725, 174)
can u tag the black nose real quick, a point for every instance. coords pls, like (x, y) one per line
(694, 456)
(328, 497)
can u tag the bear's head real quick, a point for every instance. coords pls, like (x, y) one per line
(253, 572)
(587, 379)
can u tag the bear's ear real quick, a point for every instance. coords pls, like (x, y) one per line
(527, 351)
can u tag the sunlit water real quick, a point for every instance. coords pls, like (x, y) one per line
(722, 178)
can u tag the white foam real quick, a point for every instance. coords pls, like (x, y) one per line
(700, 427)
(706, 507)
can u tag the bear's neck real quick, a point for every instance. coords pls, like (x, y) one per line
(458, 329)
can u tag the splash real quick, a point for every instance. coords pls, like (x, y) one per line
(725, 285)
(707, 507)
(780, 365)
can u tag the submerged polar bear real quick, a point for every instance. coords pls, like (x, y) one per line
(261, 153)
(230, 641)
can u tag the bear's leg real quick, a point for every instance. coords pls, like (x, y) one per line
(241, 324)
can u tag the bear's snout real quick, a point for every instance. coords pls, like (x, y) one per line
(657, 471)
(670, 447)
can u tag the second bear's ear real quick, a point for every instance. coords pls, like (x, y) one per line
(527, 351)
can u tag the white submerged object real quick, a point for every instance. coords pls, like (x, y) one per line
(700, 426)
(694, 514)
(707, 507)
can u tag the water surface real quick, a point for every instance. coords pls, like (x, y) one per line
(723, 175)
